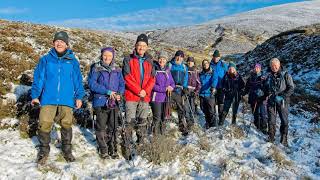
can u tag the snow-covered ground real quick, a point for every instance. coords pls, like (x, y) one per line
(233, 152)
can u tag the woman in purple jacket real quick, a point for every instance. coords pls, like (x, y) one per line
(107, 85)
(163, 86)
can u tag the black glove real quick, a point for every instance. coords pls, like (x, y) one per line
(185, 91)
(193, 94)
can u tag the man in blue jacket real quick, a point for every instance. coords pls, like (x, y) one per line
(57, 88)
(219, 69)
(179, 72)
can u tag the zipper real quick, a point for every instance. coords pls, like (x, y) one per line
(59, 70)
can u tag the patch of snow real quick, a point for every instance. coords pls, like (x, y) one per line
(249, 156)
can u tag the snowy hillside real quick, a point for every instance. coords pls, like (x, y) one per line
(299, 51)
(241, 32)
(231, 152)
(234, 152)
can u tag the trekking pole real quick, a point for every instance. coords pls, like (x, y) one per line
(216, 106)
(93, 121)
(167, 106)
(253, 113)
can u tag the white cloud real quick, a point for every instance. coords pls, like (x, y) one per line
(148, 19)
(181, 13)
(13, 10)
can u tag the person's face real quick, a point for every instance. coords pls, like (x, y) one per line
(190, 64)
(216, 59)
(257, 69)
(232, 70)
(162, 61)
(179, 59)
(60, 46)
(205, 65)
(107, 57)
(141, 48)
(275, 66)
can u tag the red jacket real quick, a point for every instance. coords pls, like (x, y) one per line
(131, 73)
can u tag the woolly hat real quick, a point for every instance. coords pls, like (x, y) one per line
(257, 65)
(216, 53)
(110, 49)
(179, 53)
(163, 54)
(63, 36)
(232, 64)
(143, 38)
(191, 59)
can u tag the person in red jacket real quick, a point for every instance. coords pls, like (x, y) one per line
(139, 76)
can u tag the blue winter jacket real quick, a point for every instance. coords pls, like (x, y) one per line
(179, 73)
(206, 80)
(102, 81)
(57, 80)
(219, 70)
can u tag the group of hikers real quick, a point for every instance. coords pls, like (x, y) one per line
(142, 81)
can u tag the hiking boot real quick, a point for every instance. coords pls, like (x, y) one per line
(141, 131)
(272, 133)
(66, 137)
(42, 158)
(222, 118)
(234, 119)
(284, 140)
(43, 154)
(103, 153)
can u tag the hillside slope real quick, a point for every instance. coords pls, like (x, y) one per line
(241, 32)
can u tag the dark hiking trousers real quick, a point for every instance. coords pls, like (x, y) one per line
(207, 105)
(282, 110)
(190, 109)
(158, 117)
(177, 99)
(259, 111)
(106, 129)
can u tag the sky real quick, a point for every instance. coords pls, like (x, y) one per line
(126, 15)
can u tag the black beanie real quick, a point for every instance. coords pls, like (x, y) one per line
(61, 36)
(179, 53)
(143, 38)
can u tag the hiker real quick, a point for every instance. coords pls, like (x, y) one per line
(233, 88)
(206, 96)
(139, 76)
(179, 73)
(57, 88)
(257, 99)
(161, 93)
(193, 88)
(106, 84)
(219, 68)
(279, 87)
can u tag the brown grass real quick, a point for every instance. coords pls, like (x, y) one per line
(7, 110)
(18, 47)
(162, 149)
(278, 157)
(14, 68)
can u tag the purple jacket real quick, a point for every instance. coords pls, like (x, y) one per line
(163, 80)
(194, 81)
(102, 80)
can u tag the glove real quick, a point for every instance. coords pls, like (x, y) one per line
(185, 91)
(192, 94)
(259, 93)
(213, 92)
(279, 100)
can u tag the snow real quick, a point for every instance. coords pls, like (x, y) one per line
(230, 155)
(16, 92)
